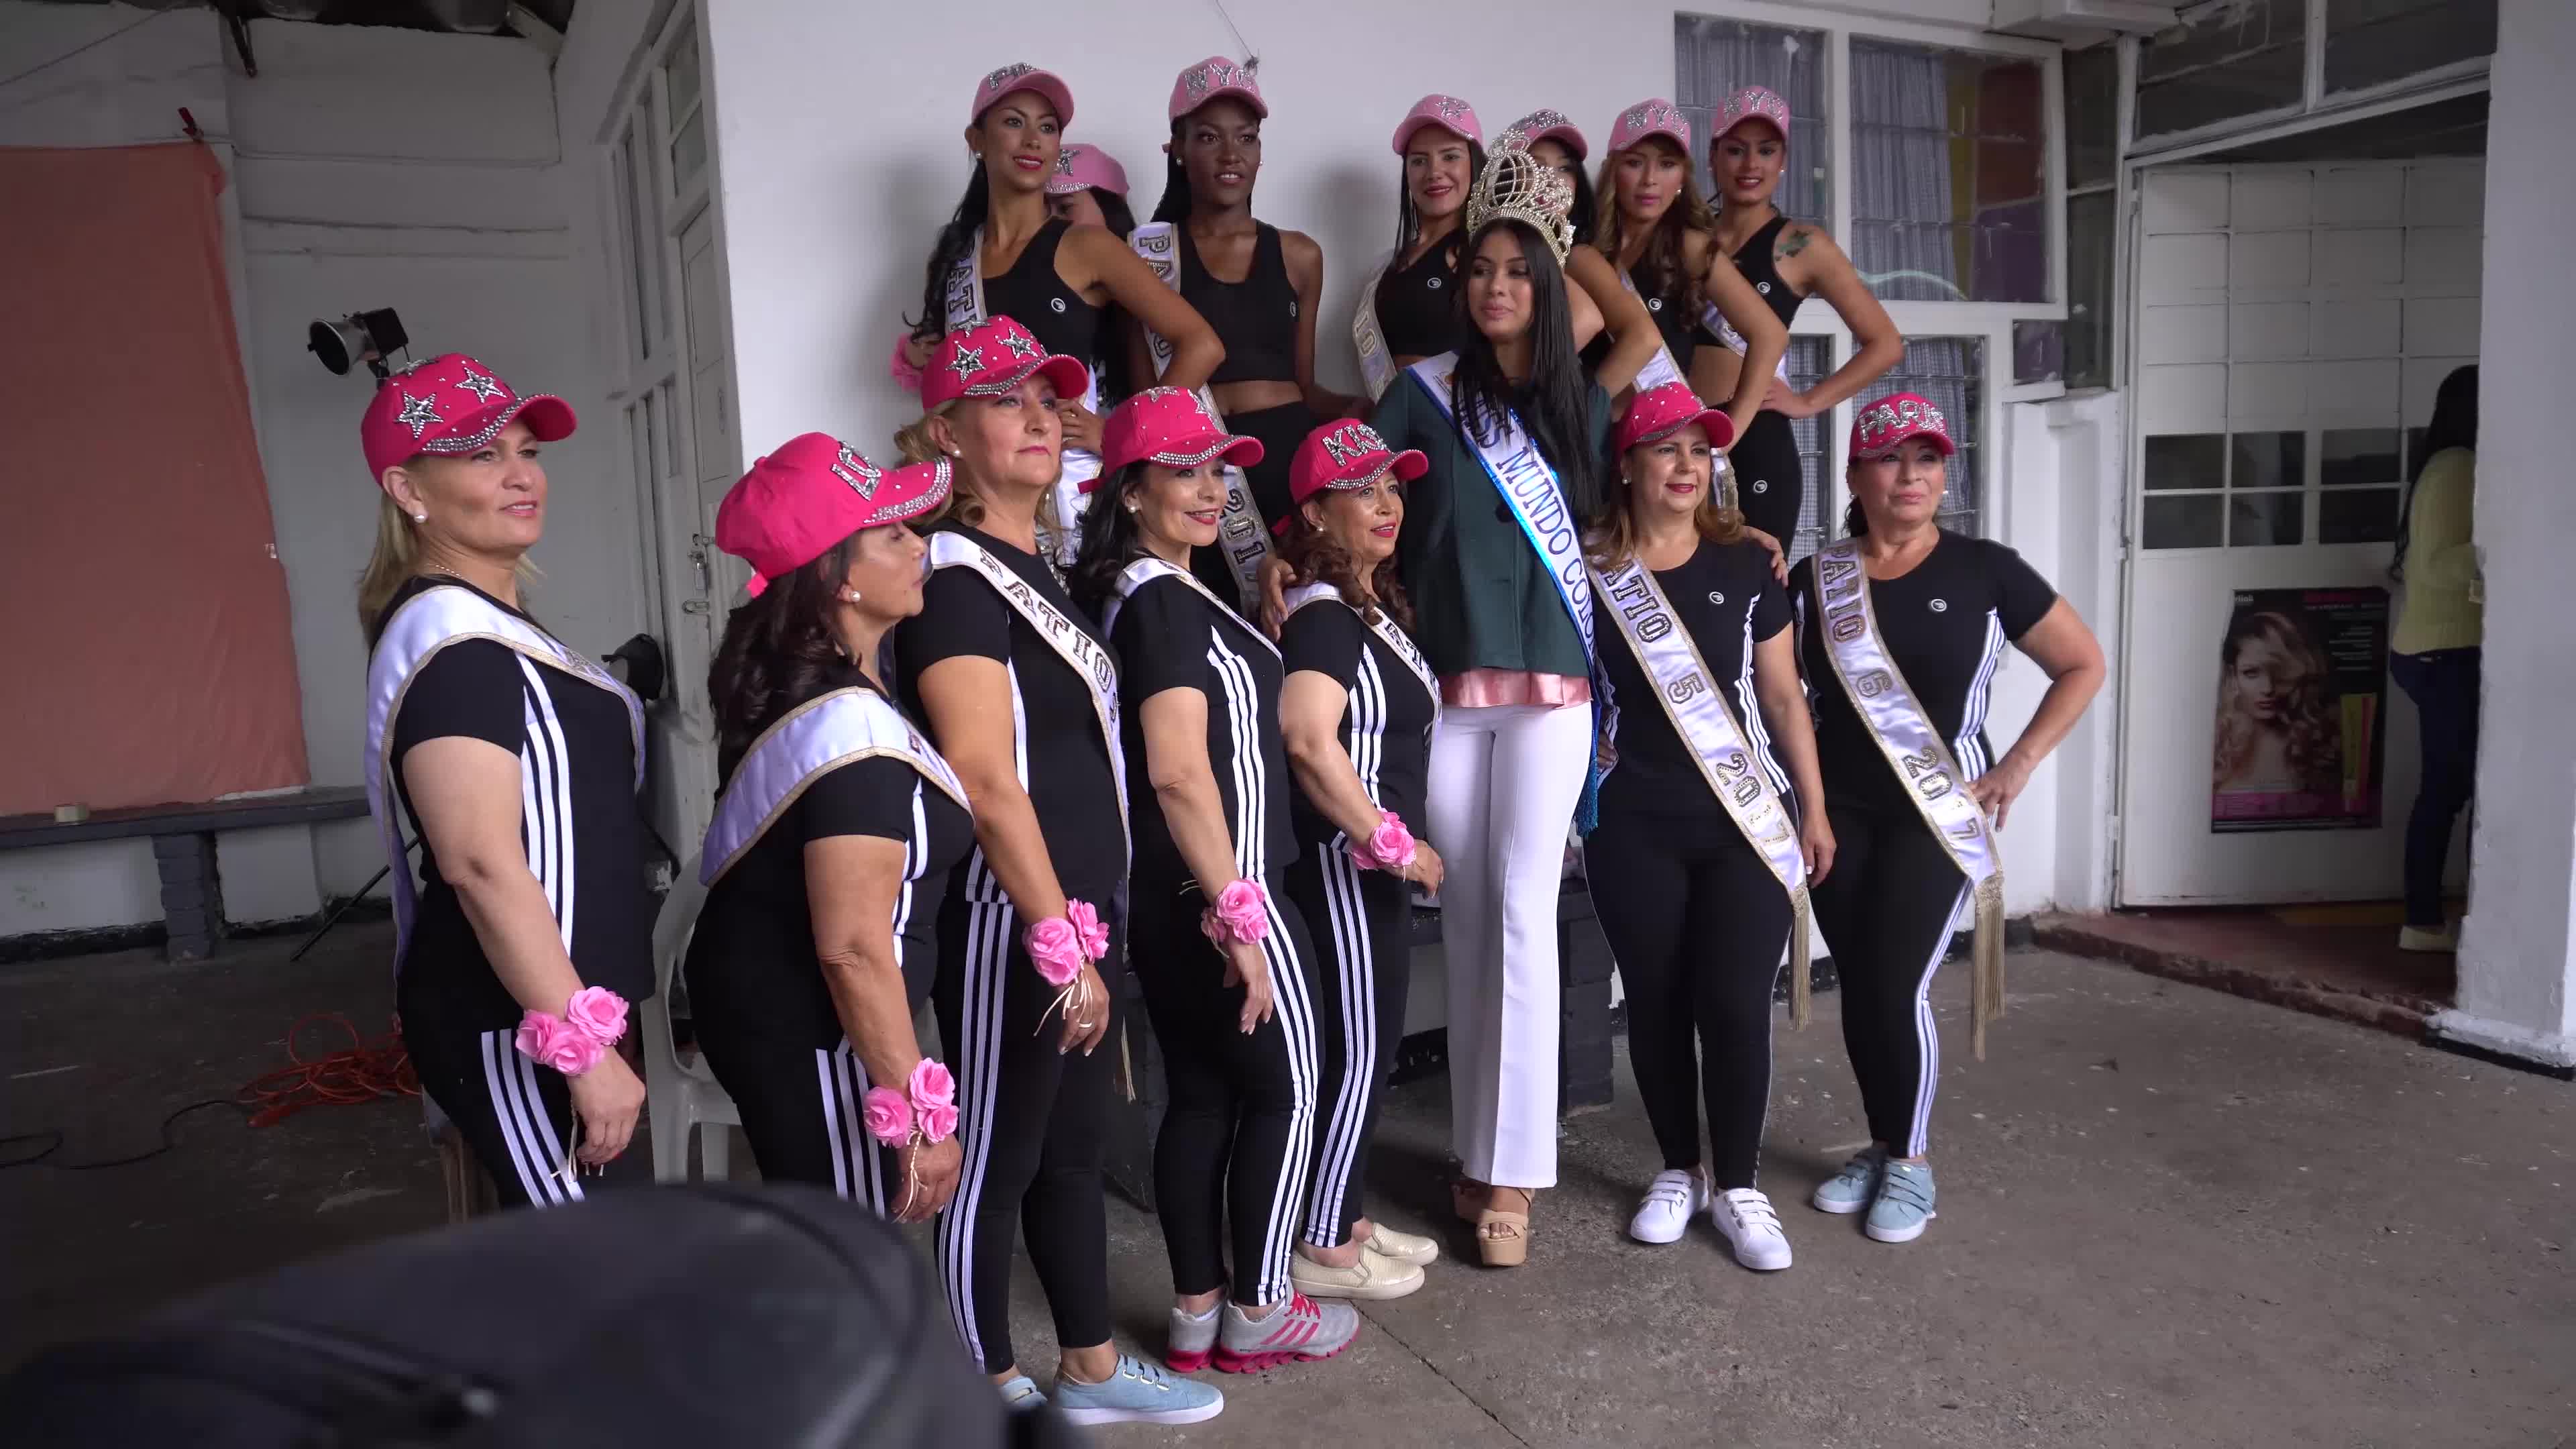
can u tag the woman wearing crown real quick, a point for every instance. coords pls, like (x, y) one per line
(1513, 430)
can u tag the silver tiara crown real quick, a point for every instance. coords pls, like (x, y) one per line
(1517, 186)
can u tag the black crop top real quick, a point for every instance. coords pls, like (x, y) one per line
(1755, 260)
(1417, 312)
(1032, 294)
(1675, 320)
(1255, 318)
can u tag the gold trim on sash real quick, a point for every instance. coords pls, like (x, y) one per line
(1377, 365)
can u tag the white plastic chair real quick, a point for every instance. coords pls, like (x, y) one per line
(681, 1094)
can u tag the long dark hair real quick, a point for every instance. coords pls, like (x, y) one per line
(1175, 204)
(956, 239)
(1111, 540)
(2454, 425)
(1556, 404)
(1313, 556)
(1407, 224)
(778, 652)
(1585, 214)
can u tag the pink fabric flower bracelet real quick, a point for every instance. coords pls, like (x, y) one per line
(900, 367)
(924, 1110)
(1389, 847)
(574, 1042)
(1241, 912)
(1060, 946)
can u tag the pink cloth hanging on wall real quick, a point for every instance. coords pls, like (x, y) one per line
(145, 638)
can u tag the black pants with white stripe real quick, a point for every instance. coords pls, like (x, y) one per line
(1697, 923)
(516, 1116)
(1362, 921)
(1031, 1124)
(783, 1058)
(1238, 1136)
(1886, 909)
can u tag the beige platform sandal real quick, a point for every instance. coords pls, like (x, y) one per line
(1502, 1237)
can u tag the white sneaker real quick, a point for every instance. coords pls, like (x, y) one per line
(1745, 1219)
(1669, 1204)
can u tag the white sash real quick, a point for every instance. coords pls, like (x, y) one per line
(965, 310)
(1395, 639)
(1696, 705)
(1087, 656)
(428, 622)
(1241, 532)
(1724, 331)
(1145, 570)
(1521, 473)
(1377, 365)
(1895, 719)
(822, 734)
(1660, 368)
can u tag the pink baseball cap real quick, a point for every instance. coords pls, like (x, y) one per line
(1546, 125)
(1753, 103)
(797, 504)
(1212, 79)
(1447, 112)
(1019, 75)
(1653, 116)
(990, 359)
(1893, 421)
(450, 404)
(1078, 167)
(1170, 426)
(1346, 454)
(1666, 409)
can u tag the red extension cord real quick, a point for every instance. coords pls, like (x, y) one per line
(364, 1071)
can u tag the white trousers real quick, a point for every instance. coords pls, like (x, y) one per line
(1504, 783)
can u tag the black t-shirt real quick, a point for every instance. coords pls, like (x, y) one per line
(1386, 725)
(1417, 306)
(1170, 637)
(753, 952)
(1946, 622)
(1727, 599)
(580, 822)
(1064, 763)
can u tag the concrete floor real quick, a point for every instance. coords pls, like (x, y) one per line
(2169, 1217)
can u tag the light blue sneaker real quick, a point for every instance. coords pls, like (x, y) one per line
(1904, 1203)
(1021, 1395)
(1138, 1393)
(1851, 1189)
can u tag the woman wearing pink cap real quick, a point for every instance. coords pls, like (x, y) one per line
(1785, 262)
(1356, 715)
(1408, 306)
(835, 829)
(1902, 625)
(1559, 146)
(1700, 867)
(1004, 255)
(1019, 691)
(1089, 188)
(517, 761)
(1222, 954)
(1654, 226)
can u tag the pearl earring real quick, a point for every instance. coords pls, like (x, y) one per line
(850, 594)
(420, 518)
(1131, 505)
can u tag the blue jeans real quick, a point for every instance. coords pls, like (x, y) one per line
(2444, 685)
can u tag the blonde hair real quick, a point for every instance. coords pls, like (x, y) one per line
(1612, 539)
(396, 562)
(913, 444)
(1667, 261)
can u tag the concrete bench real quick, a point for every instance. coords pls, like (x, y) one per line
(183, 848)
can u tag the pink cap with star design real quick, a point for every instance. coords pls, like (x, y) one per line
(1213, 79)
(449, 405)
(1447, 112)
(993, 358)
(797, 504)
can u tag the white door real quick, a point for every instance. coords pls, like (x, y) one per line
(2292, 323)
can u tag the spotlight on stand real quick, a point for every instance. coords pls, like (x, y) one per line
(367, 337)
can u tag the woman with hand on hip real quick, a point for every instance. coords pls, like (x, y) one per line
(1223, 956)
(1786, 262)
(1020, 694)
(1005, 255)
(1901, 627)
(1700, 868)
(1357, 714)
(835, 831)
(1089, 188)
(517, 761)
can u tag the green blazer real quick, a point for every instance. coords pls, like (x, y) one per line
(1481, 600)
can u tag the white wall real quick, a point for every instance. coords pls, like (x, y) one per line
(2518, 949)
(370, 167)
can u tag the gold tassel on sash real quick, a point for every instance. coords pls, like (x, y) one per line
(1801, 966)
(1986, 981)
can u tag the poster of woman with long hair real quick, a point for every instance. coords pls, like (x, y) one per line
(2300, 702)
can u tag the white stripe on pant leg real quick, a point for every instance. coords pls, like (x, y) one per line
(546, 1164)
(870, 1152)
(827, 1079)
(1927, 1033)
(1295, 1011)
(496, 1083)
(980, 1026)
(1356, 969)
(541, 1130)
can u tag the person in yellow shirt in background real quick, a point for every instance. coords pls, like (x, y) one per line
(2433, 651)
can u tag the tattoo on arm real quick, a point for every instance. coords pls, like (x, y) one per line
(1793, 240)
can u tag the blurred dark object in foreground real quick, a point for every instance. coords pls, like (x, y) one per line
(692, 1317)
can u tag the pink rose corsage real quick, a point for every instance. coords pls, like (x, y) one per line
(1389, 848)
(573, 1043)
(923, 1110)
(932, 1093)
(1241, 913)
(900, 365)
(888, 1116)
(1060, 946)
